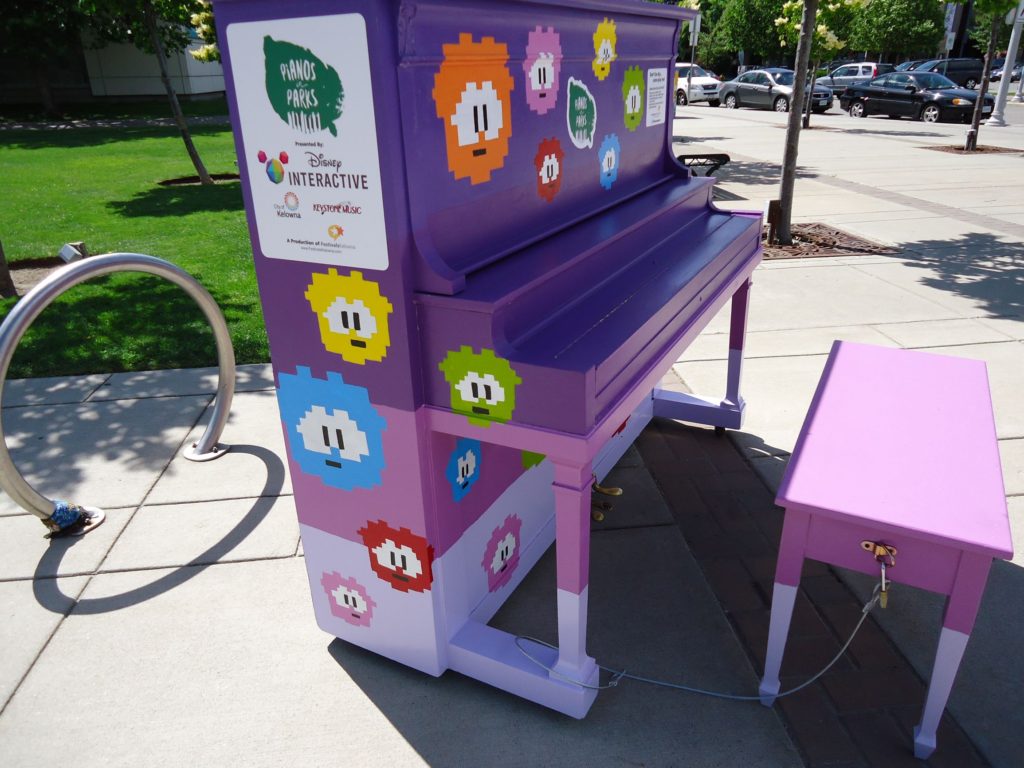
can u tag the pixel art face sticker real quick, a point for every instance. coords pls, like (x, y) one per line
(483, 386)
(548, 162)
(542, 66)
(604, 48)
(333, 430)
(608, 155)
(352, 314)
(501, 555)
(399, 557)
(472, 94)
(348, 599)
(633, 97)
(463, 468)
(580, 114)
(303, 91)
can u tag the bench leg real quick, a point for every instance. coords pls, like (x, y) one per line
(957, 623)
(572, 553)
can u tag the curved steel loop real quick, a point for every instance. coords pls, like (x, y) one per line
(39, 298)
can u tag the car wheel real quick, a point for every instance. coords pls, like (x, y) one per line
(681, 98)
(857, 109)
(713, 102)
(730, 102)
(931, 114)
(782, 104)
(971, 84)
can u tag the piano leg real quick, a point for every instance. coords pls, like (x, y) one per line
(737, 337)
(572, 553)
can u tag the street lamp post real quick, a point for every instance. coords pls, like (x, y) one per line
(998, 119)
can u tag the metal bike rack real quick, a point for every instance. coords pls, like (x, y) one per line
(40, 297)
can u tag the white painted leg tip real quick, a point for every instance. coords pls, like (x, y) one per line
(768, 693)
(923, 747)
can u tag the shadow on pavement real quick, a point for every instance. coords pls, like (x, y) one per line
(47, 590)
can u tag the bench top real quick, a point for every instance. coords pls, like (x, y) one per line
(906, 440)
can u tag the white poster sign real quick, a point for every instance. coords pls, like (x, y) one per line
(657, 96)
(305, 105)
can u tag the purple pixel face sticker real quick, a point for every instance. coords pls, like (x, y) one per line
(542, 65)
(348, 599)
(501, 555)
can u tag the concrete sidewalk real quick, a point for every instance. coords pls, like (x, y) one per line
(180, 632)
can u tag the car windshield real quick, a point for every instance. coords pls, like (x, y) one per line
(928, 64)
(905, 66)
(931, 81)
(783, 78)
(697, 71)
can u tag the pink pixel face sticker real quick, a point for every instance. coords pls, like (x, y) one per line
(501, 555)
(348, 599)
(542, 66)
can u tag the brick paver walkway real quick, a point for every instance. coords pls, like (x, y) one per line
(862, 712)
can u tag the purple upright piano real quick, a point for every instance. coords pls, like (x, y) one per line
(477, 257)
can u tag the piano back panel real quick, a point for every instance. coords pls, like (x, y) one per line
(456, 58)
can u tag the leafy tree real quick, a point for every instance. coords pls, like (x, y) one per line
(898, 26)
(33, 34)
(824, 41)
(202, 22)
(749, 26)
(992, 11)
(153, 26)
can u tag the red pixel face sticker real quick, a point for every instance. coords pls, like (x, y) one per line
(473, 96)
(548, 162)
(399, 557)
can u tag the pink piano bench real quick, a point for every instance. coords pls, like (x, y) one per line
(898, 448)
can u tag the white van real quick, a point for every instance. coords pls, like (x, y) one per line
(703, 87)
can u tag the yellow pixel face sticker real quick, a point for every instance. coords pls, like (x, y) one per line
(604, 48)
(352, 314)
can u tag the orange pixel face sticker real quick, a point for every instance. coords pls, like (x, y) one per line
(352, 315)
(473, 96)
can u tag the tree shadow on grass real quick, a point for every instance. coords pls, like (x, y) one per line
(180, 200)
(92, 137)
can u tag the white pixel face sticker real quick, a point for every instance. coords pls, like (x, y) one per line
(347, 317)
(475, 388)
(467, 467)
(608, 161)
(549, 170)
(350, 599)
(542, 73)
(324, 433)
(605, 52)
(633, 100)
(396, 558)
(479, 111)
(506, 548)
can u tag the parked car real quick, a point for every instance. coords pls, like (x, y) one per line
(770, 88)
(911, 64)
(703, 86)
(965, 72)
(923, 96)
(848, 74)
(997, 74)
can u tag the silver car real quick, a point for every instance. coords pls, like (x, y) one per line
(769, 89)
(851, 74)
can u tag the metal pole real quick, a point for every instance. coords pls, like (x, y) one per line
(998, 117)
(39, 298)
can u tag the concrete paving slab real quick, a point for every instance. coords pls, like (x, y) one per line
(26, 626)
(254, 421)
(105, 454)
(770, 469)
(182, 381)
(1012, 454)
(810, 341)
(51, 390)
(27, 555)
(1011, 326)
(935, 333)
(206, 532)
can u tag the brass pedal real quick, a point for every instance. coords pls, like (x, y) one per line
(606, 490)
(598, 508)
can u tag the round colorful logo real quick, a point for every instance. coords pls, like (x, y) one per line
(274, 165)
(291, 201)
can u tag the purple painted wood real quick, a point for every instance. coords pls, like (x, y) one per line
(905, 440)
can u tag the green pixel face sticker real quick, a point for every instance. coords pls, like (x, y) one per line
(483, 386)
(304, 92)
(633, 96)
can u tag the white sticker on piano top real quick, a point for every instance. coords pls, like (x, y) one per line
(657, 96)
(305, 104)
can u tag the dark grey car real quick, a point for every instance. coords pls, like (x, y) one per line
(770, 88)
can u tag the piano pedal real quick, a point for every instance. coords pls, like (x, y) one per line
(606, 490)
(598, 508)
(719, 431)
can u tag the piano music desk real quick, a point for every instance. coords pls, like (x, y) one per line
(898, 448)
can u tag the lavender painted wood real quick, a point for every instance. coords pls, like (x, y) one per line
(905, 440)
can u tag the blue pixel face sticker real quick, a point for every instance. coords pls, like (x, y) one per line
(609, 155)
(463, 468)
(333, 430)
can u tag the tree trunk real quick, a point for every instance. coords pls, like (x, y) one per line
(45, 93)
(971, 142)
(179, 118)
(810, 96)
(803, 53)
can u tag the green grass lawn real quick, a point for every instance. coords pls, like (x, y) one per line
(113, 109)
(100, 186)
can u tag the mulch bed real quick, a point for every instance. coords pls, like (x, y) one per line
(28, 272)
(982, 150)
(819, 240)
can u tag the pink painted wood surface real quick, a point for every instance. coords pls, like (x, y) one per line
(906, 439)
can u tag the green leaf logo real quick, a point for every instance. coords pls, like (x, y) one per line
(581, 114)
(304, 92)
